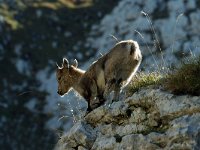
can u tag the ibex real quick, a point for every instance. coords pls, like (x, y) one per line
(90, 84)
(111, 72)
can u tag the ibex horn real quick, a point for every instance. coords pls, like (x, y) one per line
(65, 63)
(75, 64)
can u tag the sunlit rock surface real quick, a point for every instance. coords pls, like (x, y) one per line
(150, 119)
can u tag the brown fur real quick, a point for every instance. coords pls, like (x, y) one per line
(69, 76)
(111, 72)
(121, 64)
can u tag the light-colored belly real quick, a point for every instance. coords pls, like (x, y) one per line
(101, 80)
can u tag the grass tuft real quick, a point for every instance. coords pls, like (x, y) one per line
(142, 79)
(181, 80)
(186, 79)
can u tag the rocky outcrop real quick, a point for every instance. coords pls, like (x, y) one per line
(166, 31)
(149, 119)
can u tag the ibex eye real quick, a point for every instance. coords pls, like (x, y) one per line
(59, 78)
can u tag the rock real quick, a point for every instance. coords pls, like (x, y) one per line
(149, 119)
(167, 105)
(82, 148)
(138, 115)
(194, 29)
(183, 134)
(104, 143)
(81, 134)
(191, 4)
(105, 114)
(175, 5)
(137, 142)
(150, 6)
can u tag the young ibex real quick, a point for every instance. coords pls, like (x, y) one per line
(90, 84)
(111, 72)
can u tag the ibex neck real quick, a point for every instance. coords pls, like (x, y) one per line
(77, 77)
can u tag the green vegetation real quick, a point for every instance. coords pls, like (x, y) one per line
(143, 80)
(181, 80)
(186, 79)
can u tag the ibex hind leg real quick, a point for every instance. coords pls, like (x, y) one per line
(89, 109)
(122, 95)
(113, 92)
(107, 96)
(116, 94)
(94, 103)
(113, 96)
(101, 99)
(113, 85)
(117, 89)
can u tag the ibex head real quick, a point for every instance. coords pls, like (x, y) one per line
(66, 76)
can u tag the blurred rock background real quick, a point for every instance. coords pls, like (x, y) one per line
(34, 34)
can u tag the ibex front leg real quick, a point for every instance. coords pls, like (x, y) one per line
(108, 89)
(94, 100)
(117, 89)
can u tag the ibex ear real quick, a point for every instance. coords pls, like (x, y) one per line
(65, 63)
(75, 64)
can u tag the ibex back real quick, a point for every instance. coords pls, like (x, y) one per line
(111, 72)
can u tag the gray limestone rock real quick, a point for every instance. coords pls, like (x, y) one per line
(149, 119)
(81, 134)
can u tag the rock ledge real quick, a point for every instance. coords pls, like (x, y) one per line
(149, 119)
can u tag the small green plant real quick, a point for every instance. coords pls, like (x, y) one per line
(143, 80)
(186, 79)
